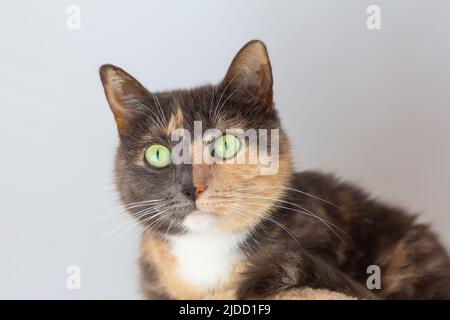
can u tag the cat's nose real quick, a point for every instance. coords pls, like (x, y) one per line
(193, 191)
(190, 192)
(199, 188)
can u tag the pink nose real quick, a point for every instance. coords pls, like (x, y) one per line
(199, 188)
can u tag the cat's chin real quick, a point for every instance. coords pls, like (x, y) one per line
(200, 221)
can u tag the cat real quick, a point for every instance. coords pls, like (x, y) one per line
(225, 229)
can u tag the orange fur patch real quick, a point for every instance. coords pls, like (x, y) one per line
(238, 194)
(176, 121)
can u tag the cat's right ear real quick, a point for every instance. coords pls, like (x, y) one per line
(125, 95)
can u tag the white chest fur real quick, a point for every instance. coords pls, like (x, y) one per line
(206, 259)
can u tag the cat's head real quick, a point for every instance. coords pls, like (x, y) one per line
(186, 159)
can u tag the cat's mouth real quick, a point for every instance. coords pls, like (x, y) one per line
(200, 221)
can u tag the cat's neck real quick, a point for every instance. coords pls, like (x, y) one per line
(206, 259)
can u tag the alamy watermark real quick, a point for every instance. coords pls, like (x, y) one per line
(373, 21)
(255, 145)
(73, 21)
(374, 280)
(73, 281)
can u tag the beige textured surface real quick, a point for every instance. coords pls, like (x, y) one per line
(293, 294)
(310, 294)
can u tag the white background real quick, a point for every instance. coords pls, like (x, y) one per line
(372, 106)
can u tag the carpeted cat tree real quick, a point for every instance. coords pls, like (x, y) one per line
(305, 293)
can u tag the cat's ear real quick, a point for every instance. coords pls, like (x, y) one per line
(125, 95)
(250, 74)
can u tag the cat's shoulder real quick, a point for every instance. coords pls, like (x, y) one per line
(315, 176)
(321, 179)
(328, 186)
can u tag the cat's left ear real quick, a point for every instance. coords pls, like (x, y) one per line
(249, 76)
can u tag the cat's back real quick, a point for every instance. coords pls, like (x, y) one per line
(360, 220)
(412, 260)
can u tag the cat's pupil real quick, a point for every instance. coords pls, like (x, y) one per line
(157, 154)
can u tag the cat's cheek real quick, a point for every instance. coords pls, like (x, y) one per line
(200, 221)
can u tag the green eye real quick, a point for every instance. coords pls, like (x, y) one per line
(158, 156)
(226, 146)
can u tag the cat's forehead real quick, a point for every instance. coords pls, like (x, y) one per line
(196, 99)
(202, 107)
